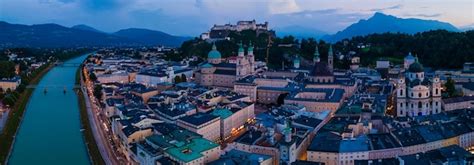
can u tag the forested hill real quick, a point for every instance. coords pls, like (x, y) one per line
(437, 49)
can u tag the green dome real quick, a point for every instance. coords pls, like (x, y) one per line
(416, 67)
(206, 65)
(214, 53)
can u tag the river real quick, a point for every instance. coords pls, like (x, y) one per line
(50, 130)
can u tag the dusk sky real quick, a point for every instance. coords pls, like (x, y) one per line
(191, 17)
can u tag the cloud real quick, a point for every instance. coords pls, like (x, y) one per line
(191, 17)
(283, 6)
(399, 6)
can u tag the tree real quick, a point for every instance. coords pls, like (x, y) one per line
(450, 89)
(7, 69)
(184, 78)
(92, 76)
(98, 92)
(281, 99)
(177, 79)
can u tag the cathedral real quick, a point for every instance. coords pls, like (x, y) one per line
(417, 95)
(217, 72)
(322, 72)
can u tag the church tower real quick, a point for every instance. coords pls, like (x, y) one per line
(330, 59)
(241, 52)
(251, 58)
(242, 63)
(316, 55)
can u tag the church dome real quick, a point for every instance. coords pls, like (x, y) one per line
(416, 67)
(214, 53)
(206, 65)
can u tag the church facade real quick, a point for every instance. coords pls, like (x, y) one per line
(322, 72)
(417, 95)
(217, 72)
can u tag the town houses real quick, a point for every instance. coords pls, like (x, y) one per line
(224, 109)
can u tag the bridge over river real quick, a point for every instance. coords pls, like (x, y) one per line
(50, 130)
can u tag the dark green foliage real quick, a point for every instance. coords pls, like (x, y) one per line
(7, 69)
(451, 89)
(437, 49)
(93, 77)
(177, 79)
(281, 99)
(98, 92)
(183, 78)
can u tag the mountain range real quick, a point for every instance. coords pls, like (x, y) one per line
(382, 23)
(54, 35)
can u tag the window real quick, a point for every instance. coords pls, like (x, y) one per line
(420, 105)
(436, 91)
(401, 92)
(419, 94)
(401, 105)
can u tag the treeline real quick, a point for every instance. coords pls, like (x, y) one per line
(436, 49)
(7, 68)
(281, 50)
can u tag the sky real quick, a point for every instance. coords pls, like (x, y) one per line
(192, 17)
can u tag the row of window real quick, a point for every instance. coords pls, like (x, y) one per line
(420, 104)
(419, 94)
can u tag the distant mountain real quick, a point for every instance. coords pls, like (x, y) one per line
(300, 32)
(87, 28)
(381, 23)
(54, 35)
(467, 27)
(151, 36)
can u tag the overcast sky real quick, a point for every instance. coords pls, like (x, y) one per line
(191, 17)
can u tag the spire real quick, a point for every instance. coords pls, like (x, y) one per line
(214, 46)
(241, 49)
(330, 54)
(316, 55)
(296, 61)
(330, 59)
(250, 47)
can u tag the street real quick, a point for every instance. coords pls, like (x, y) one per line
(102, 134)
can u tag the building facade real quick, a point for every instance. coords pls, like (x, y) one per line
(417, 95)
(216, 72)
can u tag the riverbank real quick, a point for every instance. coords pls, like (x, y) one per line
(92, 148)
(7, 137)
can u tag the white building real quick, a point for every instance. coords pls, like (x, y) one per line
(417, 95)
